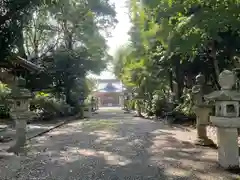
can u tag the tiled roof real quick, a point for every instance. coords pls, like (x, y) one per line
(18, 61)
(109, 87)
(108, 81)
(27, 64)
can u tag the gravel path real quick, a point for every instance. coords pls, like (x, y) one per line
(114, 146)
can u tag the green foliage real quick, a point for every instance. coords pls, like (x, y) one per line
(172, 42)
(160, 103)
(65, 38)
(131, 104)
(48, 107)
(4, 105)
(4, 90)
(91, 84)
(187, 106)
(83, 48)
(15, 15)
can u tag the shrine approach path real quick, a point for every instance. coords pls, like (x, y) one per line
(115, 146)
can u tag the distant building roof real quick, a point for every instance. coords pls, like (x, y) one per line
(109, 87)
(109, 81)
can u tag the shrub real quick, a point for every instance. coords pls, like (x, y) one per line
(148, 108)
(187, 106)
(4, 103)
(158, 105)
(49, 107)
(131, 104)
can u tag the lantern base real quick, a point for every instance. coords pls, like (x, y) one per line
(228, 152)
(16, 150)
(202, 138)
(205, 142)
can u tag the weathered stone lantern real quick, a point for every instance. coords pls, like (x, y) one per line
(202, 111)
(20, 113)
(226, 120)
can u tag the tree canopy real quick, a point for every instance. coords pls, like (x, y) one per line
(172, 41)
(64, 37)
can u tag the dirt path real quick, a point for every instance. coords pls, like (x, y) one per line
(114, 146)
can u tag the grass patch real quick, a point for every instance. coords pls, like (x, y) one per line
(100, 125)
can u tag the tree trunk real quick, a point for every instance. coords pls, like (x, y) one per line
(20, 44)
(171, 80)
(69, 45)
(214, 58)
(216, 69)
(150, 97)
(179, 80)
(68, 95)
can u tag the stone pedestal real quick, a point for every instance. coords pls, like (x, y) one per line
(87, 113)
(227, 137)
(20, 118)
(228, 152)
(202, 114)
(20, 125)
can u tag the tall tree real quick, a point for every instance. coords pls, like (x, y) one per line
(12, 20)
(175, 40)
(81, 48)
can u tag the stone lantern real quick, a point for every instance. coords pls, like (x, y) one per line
(20, 113)
(202, 111)
(226, 120)
(87, 112)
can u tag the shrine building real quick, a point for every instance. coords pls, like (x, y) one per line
(109, 93)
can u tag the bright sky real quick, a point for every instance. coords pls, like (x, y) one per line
(119, 34)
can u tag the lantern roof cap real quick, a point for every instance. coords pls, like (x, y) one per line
(19, 91)
(226, 80)
(223, 95)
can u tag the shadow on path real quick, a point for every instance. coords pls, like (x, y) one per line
(135, 149)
